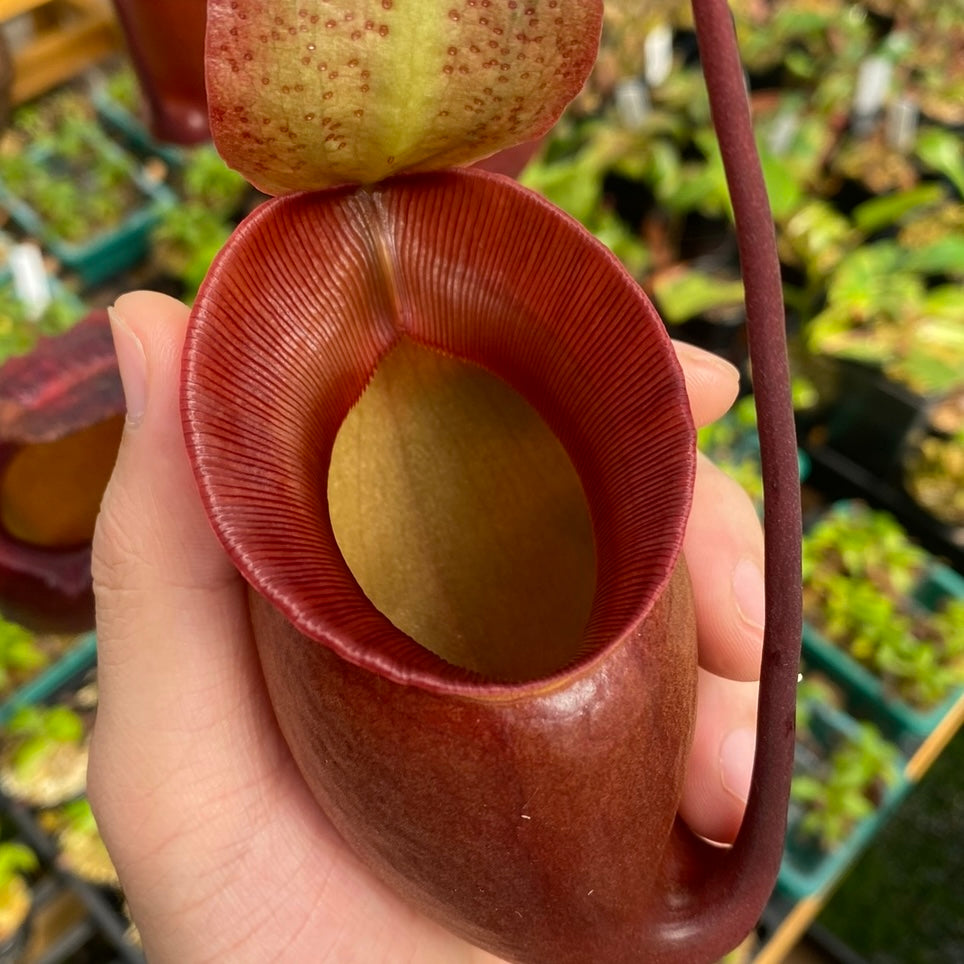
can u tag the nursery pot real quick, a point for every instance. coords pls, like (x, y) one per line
(61, 416)
(514, 772)
(166, 46)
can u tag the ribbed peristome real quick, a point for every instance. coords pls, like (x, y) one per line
(314, 290)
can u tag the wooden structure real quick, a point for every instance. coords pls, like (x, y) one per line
(62, 39)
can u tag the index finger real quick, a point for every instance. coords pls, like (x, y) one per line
(712, 383)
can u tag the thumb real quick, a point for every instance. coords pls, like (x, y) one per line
(185, 755)
(170, 606)
(152, 534)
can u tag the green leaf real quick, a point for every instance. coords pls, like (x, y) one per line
(806, 788)
(819, 235)
(63, 725)
(209, 181)
(15, 859)
(888, 209)
(623, 243)
(78, 815)
(58, 723)
(943, 151)
(783, 186)
(944, 256)
(686, 294)
(18, 647)
(573, 184)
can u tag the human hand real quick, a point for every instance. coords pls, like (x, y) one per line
(223, 853)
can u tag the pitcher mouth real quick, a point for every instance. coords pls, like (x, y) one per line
(313, 291)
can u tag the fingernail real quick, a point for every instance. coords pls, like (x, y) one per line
(714, 366)
(748, 592)
(736, 762)
(133, 366)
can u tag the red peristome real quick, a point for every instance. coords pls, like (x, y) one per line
(309, 294)
(65, 386)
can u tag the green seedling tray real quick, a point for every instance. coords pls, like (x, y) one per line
(939, 582)
(131, 131)
(106, 254)
(807, 871)
(81, 656)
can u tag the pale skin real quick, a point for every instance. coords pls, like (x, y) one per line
(222, 852)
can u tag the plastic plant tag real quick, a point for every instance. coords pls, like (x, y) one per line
(30, 281)
(902, 123)
(658, 51)
(870, 93)
(632, 104)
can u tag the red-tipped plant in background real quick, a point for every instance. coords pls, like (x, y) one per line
(166, 46)
(61, 413)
